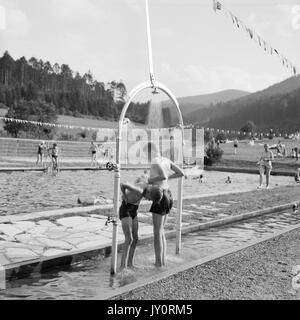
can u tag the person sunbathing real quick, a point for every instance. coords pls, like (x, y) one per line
(86, 202)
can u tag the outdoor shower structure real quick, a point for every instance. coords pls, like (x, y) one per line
(154, 86)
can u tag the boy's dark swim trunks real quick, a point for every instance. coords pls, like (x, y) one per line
(128, 210)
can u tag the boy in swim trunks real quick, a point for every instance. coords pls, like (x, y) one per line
(41, 148)
(162, 170)
(55, 156)
(93, 150)
(132, 196)
(265, 165)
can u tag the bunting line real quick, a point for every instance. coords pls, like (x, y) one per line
(218, 6)
(46, 124)
(215, 131)
(253, 134)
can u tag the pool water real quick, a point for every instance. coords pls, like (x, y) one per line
(34, 191)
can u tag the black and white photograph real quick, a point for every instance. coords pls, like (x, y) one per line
(149, 153)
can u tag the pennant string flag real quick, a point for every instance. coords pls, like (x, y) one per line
(45, 124)
(218, 6)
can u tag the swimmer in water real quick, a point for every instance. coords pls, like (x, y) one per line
(228, 180)
(101, 200)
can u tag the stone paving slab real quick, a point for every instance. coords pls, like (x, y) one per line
(36, 251)
(63, 233)
(27, 240)
(51, 233)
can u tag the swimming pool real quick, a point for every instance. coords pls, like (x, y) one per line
(34, 191)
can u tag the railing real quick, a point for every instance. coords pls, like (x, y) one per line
(27, 148)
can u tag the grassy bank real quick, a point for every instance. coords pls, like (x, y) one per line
(248, 155)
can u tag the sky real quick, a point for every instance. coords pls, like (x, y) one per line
(195, 50)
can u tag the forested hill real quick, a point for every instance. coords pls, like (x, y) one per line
(70, 92)
(277, 107)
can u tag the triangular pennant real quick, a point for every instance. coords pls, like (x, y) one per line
(232, 17)
(250, 33)
(237, 21)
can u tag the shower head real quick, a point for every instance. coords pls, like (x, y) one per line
(155, 91)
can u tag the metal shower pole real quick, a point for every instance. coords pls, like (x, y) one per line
(151, 69)
(117, 180)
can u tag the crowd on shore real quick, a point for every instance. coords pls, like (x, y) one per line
(47, 151)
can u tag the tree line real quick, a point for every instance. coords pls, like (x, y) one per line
(279, 111)
(68, 91)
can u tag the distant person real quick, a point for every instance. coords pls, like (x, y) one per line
(279, 149)
(296, 153)
(143, 177)
(265, 165)
(228, 181)
(93, 151)
(106, 153)
(297, 176)
(235, 145)
(282, 149)
(54, 155)
(40, 151)
(201, 178)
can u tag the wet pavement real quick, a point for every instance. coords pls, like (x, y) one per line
(90, 279)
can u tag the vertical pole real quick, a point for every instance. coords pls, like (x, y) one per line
(114, 253)
(152, 78)
(179, 216)
(179, 198)
(2, 278)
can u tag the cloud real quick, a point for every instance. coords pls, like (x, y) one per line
(219, 78)
(17, 23)
(76, 10)
(2, 18)
(163, 32)
(135, 5)
(74, 50)
(278, 21)
(200, 79)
